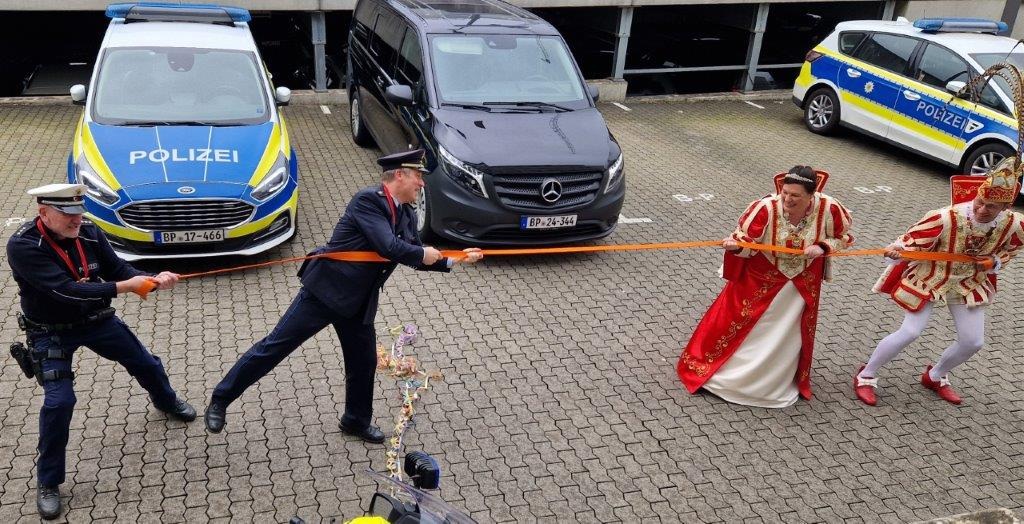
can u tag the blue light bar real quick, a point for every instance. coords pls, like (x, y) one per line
(237, 14)
(961, 25)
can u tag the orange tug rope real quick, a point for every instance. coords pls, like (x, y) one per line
(370, 256)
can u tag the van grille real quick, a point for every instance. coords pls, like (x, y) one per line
(178, 215)
(523, 191)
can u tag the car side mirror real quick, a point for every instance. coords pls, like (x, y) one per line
(283, 96)
(400, 95)
(594, 91)
(954, 86)
(78, 94)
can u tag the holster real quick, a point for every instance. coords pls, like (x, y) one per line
(31, 361)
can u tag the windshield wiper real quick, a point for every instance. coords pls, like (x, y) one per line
(476, 107)
(529, 104)
(146, 123)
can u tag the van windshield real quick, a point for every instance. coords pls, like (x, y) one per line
(179, 86)
(478, 69)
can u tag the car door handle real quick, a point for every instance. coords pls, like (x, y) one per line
(852, 73)
(910, 95)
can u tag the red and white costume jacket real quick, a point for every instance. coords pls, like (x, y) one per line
(952, 229)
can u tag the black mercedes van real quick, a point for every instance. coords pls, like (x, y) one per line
(519, 153)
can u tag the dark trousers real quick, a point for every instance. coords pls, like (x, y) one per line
(306, 317)
(110, 339)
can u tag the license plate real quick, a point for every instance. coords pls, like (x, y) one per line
(551, 222)
(188, 237)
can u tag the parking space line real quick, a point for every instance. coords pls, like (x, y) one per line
(753, 104)
(325, 109)
(620, 106)
(624, 220)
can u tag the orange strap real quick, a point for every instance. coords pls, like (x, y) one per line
(370, 256)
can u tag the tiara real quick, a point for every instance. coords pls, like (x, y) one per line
(800, 178)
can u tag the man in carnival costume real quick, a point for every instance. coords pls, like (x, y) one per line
(979, 223)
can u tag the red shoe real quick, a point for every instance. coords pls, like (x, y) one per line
(941, 388)
(865, 388)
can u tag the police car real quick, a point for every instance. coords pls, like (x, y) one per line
(182, 144)
(897, 81)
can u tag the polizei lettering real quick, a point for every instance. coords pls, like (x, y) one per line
(185, 155)
(951, 119)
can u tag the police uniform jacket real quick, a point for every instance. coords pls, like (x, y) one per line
(49, 292)
(353, 288)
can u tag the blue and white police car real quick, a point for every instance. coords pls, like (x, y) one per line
(897, 81)
(182, 144)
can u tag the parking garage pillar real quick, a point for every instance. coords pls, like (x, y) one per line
(319, 32)
(1010, 10)
(754, 47)
(889, 10)
(622, 41)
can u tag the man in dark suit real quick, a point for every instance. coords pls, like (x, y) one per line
(345, 294)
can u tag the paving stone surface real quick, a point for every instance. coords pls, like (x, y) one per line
(560, 399)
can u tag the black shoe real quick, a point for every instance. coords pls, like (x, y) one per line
(48, 502)
(182, 410)
(370, 433)
(215, 417)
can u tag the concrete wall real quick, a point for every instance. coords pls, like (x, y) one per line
(990, 9)
(344, 5)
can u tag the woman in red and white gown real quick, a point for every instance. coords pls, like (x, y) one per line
(754, 344)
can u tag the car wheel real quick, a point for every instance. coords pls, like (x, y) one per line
(423, 216)
(821, 111)
(360, 135)
(984, 158)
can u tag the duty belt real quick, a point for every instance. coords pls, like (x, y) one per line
(28, 324)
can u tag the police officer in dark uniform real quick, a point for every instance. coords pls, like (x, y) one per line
(67, 275)
(345, 294)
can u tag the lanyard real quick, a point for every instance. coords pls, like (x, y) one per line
(64, 256)
(391, 205)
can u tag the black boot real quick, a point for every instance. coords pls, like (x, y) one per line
(215, 416)
(48, 502)
(182, 410)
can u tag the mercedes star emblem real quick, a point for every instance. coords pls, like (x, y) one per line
(551, 190)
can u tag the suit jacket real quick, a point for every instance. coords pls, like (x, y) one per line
(353, 288)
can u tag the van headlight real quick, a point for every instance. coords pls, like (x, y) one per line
(614, 174)
(97, 189)
(463, 174)
(274, 182)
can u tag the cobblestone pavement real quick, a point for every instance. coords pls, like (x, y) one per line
(560, 397)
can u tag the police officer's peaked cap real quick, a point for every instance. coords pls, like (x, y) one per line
(65, 197)
(415, 159)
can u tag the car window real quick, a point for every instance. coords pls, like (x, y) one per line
(988, 95)
(387, 34)
(363, 22)
(890, 52)
(410, 58)
(849, 41)
(939, 66)
(178, 84)
(504, 68)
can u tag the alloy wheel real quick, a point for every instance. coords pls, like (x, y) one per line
(819, 112)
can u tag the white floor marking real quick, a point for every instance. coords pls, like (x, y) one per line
(753, 104)
(325, 109)
(624, 220)
(622, 107)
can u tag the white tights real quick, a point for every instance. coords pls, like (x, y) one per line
(970, 336)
